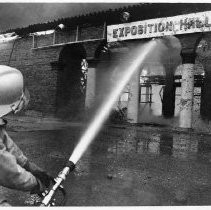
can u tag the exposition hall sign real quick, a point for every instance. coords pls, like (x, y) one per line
(181, 24)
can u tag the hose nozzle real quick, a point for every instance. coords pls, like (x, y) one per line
(47, 201)
(70, 165)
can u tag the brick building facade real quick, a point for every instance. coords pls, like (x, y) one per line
(50, 61)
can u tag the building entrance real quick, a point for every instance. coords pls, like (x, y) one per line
(71, 82)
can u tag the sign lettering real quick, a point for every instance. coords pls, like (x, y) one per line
(181, 24)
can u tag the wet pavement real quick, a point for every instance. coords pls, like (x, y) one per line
(124, 166)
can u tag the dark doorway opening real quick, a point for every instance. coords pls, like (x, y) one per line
(70, 83)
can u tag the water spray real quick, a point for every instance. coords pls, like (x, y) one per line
(97, 122)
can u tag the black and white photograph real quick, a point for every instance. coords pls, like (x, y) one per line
(105, 104)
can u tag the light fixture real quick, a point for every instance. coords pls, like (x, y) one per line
(125, 16)
(60, 27)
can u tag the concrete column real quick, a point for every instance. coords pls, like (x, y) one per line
(187, 90)
(133, 101)
(90, 88)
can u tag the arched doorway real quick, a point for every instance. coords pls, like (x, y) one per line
(71, 82)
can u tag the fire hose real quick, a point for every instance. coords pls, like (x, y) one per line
(48, 197)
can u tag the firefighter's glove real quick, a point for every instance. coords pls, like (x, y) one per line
(38, 189)
(43, 178)
(43, 182)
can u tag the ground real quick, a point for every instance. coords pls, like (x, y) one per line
(124, 166)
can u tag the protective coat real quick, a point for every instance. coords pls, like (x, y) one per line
(12, 161)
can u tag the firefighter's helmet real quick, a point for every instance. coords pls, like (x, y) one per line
(13, 95)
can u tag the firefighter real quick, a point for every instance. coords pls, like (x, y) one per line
(16, 171)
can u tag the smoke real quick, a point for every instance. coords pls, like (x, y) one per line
(164, 60)
(14, 15)
(166, 57)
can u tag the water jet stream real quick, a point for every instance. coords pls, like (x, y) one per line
(105, 109)
(98, 120)
(160, 49)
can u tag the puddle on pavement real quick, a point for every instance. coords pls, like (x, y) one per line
(125, 167)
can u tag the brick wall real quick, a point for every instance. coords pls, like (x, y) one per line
(36, 64)
(91, 33)
(62, 37)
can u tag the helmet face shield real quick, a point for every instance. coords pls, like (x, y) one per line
(21, 103)
(17, 106)
(13, 96)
